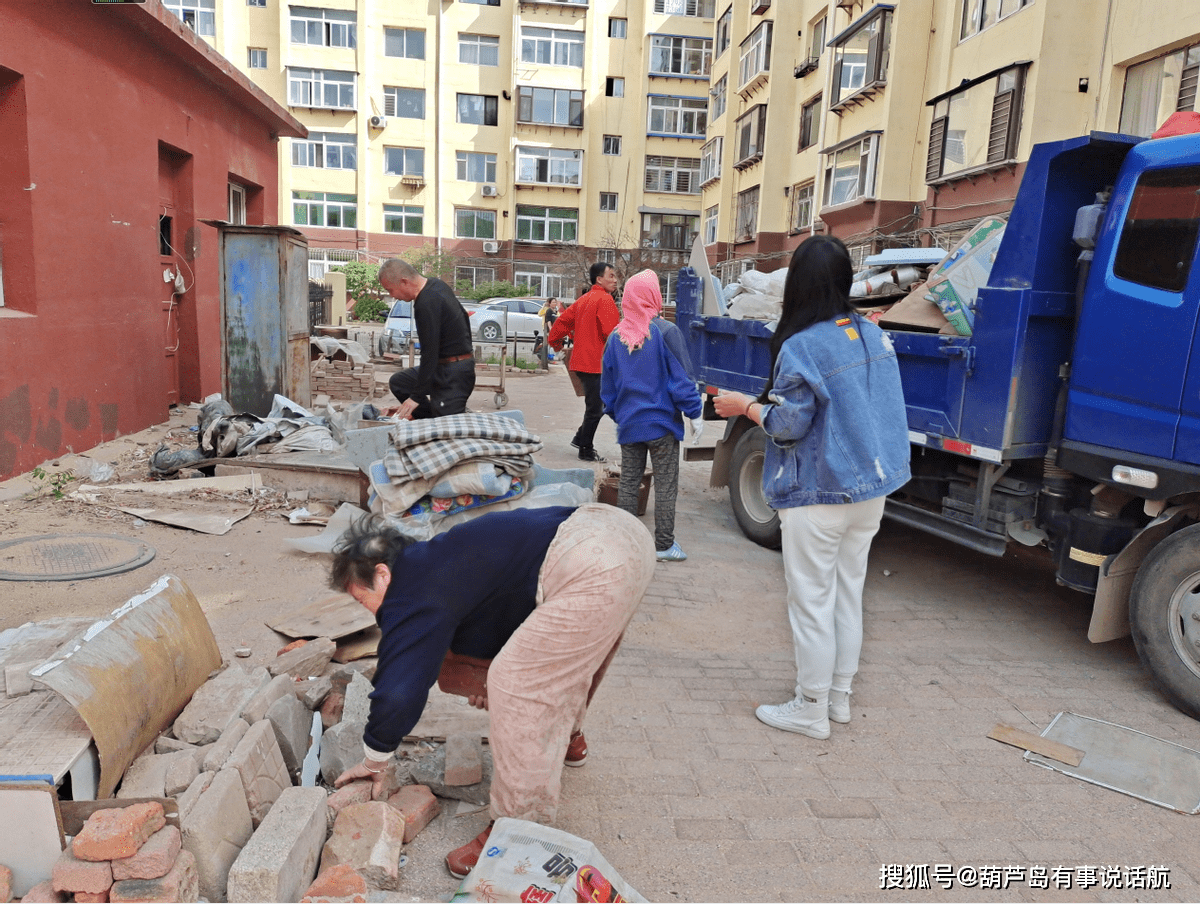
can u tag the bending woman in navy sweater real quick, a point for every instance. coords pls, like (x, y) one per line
(544, 593)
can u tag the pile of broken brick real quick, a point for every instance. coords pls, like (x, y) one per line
(258, 817)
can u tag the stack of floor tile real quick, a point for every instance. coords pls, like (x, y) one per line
(343, 379)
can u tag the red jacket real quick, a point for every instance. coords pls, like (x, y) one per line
(588, 322)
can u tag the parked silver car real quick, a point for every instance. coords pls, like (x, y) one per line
(498, 319)
(398, 330)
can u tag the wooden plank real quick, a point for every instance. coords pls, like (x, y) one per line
(333, 616)
(76, 812)
(1006, 734)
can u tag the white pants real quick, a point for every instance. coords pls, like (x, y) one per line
(825, 562)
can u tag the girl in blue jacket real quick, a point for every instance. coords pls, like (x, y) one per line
(645, 384)
(837, 444)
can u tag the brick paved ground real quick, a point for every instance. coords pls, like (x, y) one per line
(693, 799)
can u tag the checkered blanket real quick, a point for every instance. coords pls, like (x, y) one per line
(429, 447)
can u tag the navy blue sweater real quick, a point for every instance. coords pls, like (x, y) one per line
(466, 590)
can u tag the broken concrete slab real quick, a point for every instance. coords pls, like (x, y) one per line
(188, 798)
(166, 744)
(279, 686)
(216, 829)
(358, 704)
(464, 759)
(217, 703)
(313, 691)
(259, 762)
(292, 723)
(280, 860)
(306, 661)
(341, 748)
(369, 837)
(17, 680)
(430, 770)
(182, 768)
(145, 777)
(218, 753)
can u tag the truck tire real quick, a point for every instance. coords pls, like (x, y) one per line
(757, 520)
(1164, 617)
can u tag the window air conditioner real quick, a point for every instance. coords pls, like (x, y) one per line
(378, 122)
(491, 247)
(489, 191)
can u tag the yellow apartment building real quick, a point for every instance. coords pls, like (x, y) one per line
(529, 138)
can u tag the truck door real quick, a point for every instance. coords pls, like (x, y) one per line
(1137, 322)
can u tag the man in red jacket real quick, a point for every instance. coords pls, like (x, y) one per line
(587, 323)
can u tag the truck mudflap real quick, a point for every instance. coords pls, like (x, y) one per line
(1110, 611)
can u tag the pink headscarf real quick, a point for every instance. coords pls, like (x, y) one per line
(640, 303)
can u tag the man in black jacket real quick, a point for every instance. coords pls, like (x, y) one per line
(445, 377)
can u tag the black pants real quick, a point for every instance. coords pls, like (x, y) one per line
(452, 386)
(593, 410)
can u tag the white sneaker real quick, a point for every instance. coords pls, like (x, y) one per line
(797, 715)
(839, 706)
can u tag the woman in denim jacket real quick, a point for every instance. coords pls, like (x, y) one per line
(837, 444)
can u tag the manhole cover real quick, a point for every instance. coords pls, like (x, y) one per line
(70, 557)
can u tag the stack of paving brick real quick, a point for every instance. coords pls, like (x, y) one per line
(343, 379)
(247, 831)
(124, 854)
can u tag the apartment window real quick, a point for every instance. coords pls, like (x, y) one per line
(700, 8)
(474, 276)
(407, 103)
(408, 43)
(756, 54)
(669, 232)
(724, 26)
(552, 47)
(237, 204)
(482, 2)
(321, 88)
(802, 206)
(614, 87)
(549, 166)
(617, 28)
(470, 223)
(710, 225)
(816, 38)
(612, 145)
(710, 160)
(546, 224)
(860, 58)
(850, 171)
(318, 208)
(750, 129)
(1157, 88)
(480, 109)
(198, 15)
(683, 116)
(540, 281)
(671, 55)
(256, 57)
(324, 27)
(747, 215)
(608, 202)
(261, 3)
(404, 161)
(550, 106)
(678, 175)
(407, 219)
(976, 126)
(810, 122)
(719, 98)
(479, 50)
(473, 166)
(327, 150)
(980, 14)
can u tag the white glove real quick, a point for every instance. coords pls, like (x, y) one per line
(697, 430)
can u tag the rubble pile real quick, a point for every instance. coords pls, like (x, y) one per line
(259, 820)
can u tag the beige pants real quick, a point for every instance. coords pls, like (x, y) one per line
(596, 570)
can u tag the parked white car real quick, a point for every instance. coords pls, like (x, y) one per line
(499, 319)
(398, 330)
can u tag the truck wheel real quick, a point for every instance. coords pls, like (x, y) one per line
(757, 520)
(1164, 617)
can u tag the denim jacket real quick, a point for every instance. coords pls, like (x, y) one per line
(836, 427)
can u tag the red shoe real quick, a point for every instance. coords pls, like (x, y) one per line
(461, 861)
(576, 750)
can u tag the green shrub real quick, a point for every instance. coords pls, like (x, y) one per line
(497, 289)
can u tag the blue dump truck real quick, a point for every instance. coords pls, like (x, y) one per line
(1070, 418)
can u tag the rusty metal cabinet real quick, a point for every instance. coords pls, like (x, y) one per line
(264, 317)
